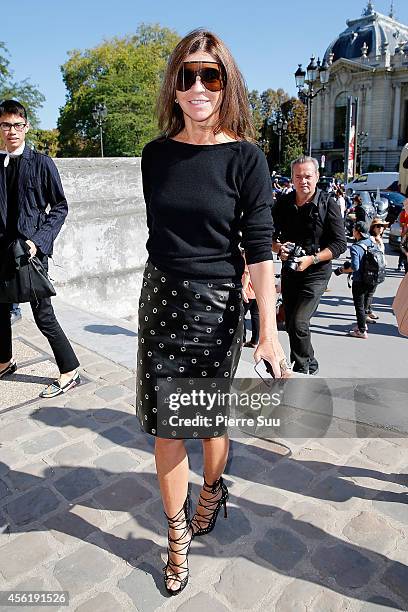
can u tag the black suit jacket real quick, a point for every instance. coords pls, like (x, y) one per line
(41, 202)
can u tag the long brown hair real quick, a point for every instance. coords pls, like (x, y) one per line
(234, 114)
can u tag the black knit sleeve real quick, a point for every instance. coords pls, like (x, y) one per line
(256, 200)
(146, 180)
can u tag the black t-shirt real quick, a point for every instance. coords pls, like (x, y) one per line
(12, 171)
(202, 203)
(313, 226)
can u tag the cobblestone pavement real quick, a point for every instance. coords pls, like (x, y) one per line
(322, 529)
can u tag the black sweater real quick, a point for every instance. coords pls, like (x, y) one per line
(202, 202)
(12, 171)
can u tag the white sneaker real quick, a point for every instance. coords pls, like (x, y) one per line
(356, 333)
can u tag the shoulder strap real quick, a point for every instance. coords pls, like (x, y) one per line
(322, 206)
(363, 246)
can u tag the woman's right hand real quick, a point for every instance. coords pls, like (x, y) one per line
(272, 352)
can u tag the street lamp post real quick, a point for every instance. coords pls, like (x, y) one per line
(99, 114)
(263, 143)
(316, 73)
(361, 140)
(279, 126)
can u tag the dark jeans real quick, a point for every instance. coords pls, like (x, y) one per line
(47, 324)
(361, 298)
(368, 302)
(301, 295)
(252, 306)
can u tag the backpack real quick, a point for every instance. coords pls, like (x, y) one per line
(372, 267)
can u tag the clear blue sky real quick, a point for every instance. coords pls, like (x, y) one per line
(267, 37)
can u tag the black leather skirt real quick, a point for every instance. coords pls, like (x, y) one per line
(188, 329)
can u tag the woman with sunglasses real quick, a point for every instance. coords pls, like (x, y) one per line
(377, 229)
(207, 191)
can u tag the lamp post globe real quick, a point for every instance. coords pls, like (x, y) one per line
(99, 114)
(300, 76)
(317, 72)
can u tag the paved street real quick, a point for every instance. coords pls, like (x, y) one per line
(316, 525)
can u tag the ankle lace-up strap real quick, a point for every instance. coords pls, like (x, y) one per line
(179, 523)
(203, 523)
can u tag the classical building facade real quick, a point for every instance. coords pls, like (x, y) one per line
(368, 61)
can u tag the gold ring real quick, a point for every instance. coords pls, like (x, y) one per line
(283, 364)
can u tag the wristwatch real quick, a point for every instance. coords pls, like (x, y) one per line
(316, 259)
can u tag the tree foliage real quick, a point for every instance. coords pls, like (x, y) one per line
(124, 74)
(272, 101)
(255, 105)
(23, 91)
(265, 109)
(44, 141)
(294, 141)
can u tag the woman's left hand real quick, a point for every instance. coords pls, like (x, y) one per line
(245, 285)
(272, 352)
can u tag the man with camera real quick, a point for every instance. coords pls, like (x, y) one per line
(309, 233)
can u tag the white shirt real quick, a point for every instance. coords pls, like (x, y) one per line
(15, 153)
(342, 203)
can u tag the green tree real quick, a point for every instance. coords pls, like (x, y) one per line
(23, 91)
(124, 74)
(264, 107)
(294, 142)
(255, 104)
(44, 141)
(4, 63)
(272, 101)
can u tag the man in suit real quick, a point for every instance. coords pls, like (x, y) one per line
(32, 207)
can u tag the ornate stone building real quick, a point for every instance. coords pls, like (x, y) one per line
(369, 60)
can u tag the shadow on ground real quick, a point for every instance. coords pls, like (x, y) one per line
(49, 501)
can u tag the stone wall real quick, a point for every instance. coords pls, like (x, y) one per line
(100, 252)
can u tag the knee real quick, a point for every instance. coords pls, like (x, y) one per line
(300, 326)
(45, 319)
(172, 447)
(210, 443)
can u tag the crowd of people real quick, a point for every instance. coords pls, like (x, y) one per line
(361, 224)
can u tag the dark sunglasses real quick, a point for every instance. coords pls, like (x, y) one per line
(210, 74)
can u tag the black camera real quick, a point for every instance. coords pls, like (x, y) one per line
(346, 266)
(294, 251)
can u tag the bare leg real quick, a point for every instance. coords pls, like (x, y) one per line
(215, 452)
(215, 455)
(172, 472)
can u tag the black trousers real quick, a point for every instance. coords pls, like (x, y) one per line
(362, 298)
(301, 295)
(47, 324)
(369, 300)
(252, 306)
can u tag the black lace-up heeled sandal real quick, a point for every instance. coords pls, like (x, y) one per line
(202, 524)
(180, 545)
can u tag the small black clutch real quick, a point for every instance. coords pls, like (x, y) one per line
(22, 278)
